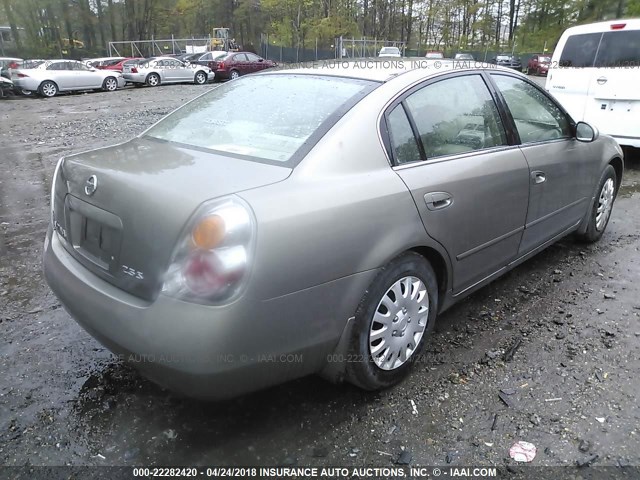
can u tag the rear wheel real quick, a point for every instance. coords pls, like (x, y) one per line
(233, 74)
(602, 207)
(200, 78)
(395, 315)
(110, 84)
(153, 80)
(48, 89)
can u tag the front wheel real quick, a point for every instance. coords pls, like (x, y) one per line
(602, 207)
(395, 315)
(110, 84)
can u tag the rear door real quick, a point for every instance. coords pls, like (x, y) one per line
(470, 185)
(62, 73)
(240, 63)
(560, 172)
(613, 103)
(572, 69)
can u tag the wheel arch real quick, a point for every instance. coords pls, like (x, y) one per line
(439, 265)
(618, 165)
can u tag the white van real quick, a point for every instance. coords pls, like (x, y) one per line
(595, 74)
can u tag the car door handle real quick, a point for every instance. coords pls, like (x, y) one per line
(438, 200)
(601, 80)
(538, 177)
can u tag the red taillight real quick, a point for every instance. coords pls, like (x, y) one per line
(22, 75)
(221, 65)
(134, 70)
(618, 26)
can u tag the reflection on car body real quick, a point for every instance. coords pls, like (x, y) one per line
(330, 219)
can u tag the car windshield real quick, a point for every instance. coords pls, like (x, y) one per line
(268, 117)
(390, 50)
(503, 58)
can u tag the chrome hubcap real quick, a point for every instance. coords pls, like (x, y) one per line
(111, 84)
(605, 204)
(399, 323)
(200, 78)
(234, 75)
(153, 80)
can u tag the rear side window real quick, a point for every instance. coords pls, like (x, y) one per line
(619, 49)
(267, 117)
(403, 141)
(453, 124)
(580, 50)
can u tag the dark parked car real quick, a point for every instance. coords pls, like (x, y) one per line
(538, 64)
(509, 61)
(240, 63)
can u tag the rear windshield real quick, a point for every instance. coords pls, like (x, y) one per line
(263, 117)
(619, 49)
(608, 49)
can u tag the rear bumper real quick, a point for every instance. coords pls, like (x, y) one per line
(201, 351)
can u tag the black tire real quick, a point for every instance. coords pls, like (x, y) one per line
(48, 89)
(595, 231)
(233, 74)
(110, 84)
(362, 370)
(153, 80)
(200, 78)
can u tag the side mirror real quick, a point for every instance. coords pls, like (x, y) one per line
(261, 60)
(585, 132)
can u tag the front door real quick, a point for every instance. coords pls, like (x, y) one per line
(471, 188)
(560, 174)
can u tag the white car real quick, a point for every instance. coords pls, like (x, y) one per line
(390, 52)
(595, 72)
(159, 70)
(54, 76)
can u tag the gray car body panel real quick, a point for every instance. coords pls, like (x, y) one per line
(324, 230)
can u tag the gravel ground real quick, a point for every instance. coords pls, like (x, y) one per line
(548, 354)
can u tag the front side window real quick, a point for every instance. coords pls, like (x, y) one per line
(252, 57)
(580, 50)
(261, 117)
(456, 115)
(536, 116)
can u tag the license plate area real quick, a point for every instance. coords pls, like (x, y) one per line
(95, 234)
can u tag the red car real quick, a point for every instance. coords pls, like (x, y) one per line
(118, 66)
(539, 64)
(239, 63)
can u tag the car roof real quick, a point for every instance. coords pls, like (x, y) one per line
(379, 70)
(630, 24)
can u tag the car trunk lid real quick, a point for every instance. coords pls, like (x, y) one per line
(121, 210)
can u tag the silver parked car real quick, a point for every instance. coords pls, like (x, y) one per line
(54, 76)
(306, 221)
(159, 70)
